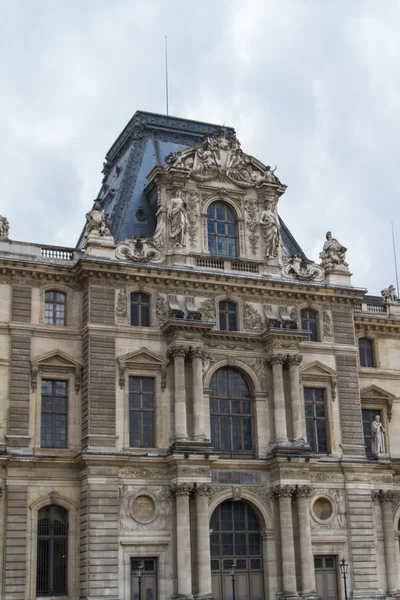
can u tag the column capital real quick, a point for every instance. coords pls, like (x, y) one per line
(304, 491)
(284, 491)
(383, 496)
(276, 359)
(177, 351)
(294, 360)
(202, 489)
(197, 352)
(182, 489)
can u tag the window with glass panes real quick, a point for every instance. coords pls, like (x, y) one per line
(235, 536)
(55, 308)
(140, 309)
(368, 416)
(366, 352)
(54, 414)
(309, 323)
(227, 316)
(222, 236)
(52, 551)
(141, 412)
(316, 421)
(230, 412)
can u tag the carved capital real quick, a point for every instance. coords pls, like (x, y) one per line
(202, 489)
(182, 489)
(197, 352)
(284, 491)
(383, 496)
(276, 359)
(177, 351)
(294, 360)
(304, 491)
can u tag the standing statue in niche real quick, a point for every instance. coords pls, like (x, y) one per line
(378, 437)
(333, 253)
(97, 221)
(270, 227)
(177, 217)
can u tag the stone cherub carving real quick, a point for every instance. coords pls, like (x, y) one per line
(389, 295)
(378, 437)
(4, 227)
(176, 214)
(97, 221)
(333, 253)
(270, 227)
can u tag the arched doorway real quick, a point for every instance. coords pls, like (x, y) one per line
(236, 536)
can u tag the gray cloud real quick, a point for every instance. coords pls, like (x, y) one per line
(311, 86)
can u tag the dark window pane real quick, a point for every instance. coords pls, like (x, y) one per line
(140, 310)
(221, 220)
(52, 551)
(54, 308)
(141, 412)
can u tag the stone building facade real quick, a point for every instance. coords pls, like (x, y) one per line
(185, 390)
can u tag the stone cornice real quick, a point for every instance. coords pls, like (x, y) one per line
(382, 323)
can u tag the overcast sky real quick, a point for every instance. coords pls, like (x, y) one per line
(312, 86)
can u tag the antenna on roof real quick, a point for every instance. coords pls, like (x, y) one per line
(395, 260)
(166, 72)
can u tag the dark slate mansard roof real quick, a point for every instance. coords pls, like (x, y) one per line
(147, 141)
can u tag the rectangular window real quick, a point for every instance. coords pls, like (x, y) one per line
(54, 414)
(368, 415)
(315, 409)
(141, 412)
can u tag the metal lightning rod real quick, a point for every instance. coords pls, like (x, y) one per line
(395, 260)
(166, 72)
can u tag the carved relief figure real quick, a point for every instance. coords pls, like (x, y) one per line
(389, 295)
(207, 162)
(239, 167)
(177, 217)
(158, 236)
(97, 221)
(378, 437)
(333, 253)
(4, 227)
(270, 227)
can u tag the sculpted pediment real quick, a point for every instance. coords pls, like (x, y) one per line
(55, 362)
(317, 368)
(144, 358)
(373, 391)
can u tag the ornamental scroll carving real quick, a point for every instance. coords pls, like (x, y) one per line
(252, 223)
(144, 473)
(327, 324)
(139, 250)
(208, 310)
(297, 267)
(193, 216)
(161, 310)
(145, 508)
(121, 309)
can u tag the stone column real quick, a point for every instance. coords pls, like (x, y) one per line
(284, 495)
(178, 354)
(386, 498)
(197, 356)
(202, 491)
(276, 363)
(183, 550)
(294, 362)
(303, 493)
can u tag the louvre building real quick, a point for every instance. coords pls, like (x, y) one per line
(190, 407)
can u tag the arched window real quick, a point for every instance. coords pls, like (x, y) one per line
(230, 412)
(55, 308)
(140, 309)
(309, 322)
(221, 226)
(366, 351)
(52, 551)
(236, 537)
(227, 316)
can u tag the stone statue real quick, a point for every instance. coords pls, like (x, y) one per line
(207, 162)
(378, 437)
(269, 175)
(158, 236)
(333, 253)
(4, 227)
(97, 221)
(177, 217)
(270, 227)
(239, 167)
(389, 295)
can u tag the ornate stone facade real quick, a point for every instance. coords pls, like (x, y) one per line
(188, 365)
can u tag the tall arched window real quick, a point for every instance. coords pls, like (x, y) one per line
(140, 309)
(309, 322)
(52, 551)
(230, 412)
(54, 308)
(236, 537)
(366, 351)
(222, 234)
